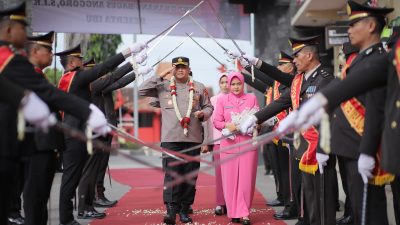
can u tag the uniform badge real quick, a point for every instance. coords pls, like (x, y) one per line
(311, 90)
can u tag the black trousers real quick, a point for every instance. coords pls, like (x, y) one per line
(347, 204)
(104, 158)
(87, 184)
(272, 151)
(17, 184)
(184, 193)
(8, 172)
(312, 194)
(396, 198)
(266, 159)
(74, 159)
(376, 204)
(286, 183)
(41, 169)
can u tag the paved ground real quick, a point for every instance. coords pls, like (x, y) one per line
(265, 185)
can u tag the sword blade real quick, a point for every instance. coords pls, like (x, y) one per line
(169, 53)
(176, 154)
(162, 37)
(193, 174)
(208, 34)
(181, 18)
(224, 27)
(198, 44)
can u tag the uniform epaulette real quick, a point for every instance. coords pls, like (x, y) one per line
(324, 73)
(369, 51)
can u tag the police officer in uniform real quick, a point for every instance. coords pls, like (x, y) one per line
(178, 135)
(35, 111)
(368, 69)
(310, 78)
(77, 81)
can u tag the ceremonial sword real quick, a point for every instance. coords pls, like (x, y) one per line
(198, 44)
(156, 147)
(266, 139)
(181, 18)
(169, 53)
(208, 34)
(227, 34)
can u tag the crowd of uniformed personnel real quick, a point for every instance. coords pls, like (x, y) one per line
(357, 112)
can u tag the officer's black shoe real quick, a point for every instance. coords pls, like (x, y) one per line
(91, 214)
(185, 218)
(235, 220)
(73, 222)
(246, 222)
(301, 222)
(16, 219)
(345, 220)
(284, 215)
(170, 217)
(220, 210)
(276, 202)
(103, 202)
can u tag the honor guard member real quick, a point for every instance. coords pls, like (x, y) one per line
(42, 162)
(18, 69)
(368, 69)
(77, 81)
(35, 111)
(181, 129)
(310, 78)
(95, 168)
(346, 56)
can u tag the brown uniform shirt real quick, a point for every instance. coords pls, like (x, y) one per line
(172, 130)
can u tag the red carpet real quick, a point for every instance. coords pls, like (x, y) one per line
(143, 203)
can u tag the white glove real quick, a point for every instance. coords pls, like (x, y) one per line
(314, 119)
(225, 132)
(137, 47)
(140, 58)
(307, 111)
(144, 70)
(97, 121)
(288, 123)
(322, 161)
(248, 124)
(233, 54)
(269, 122)
(366, 164)
(249, 58)
(37, 112)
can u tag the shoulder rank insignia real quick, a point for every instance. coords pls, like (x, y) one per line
(368, 51)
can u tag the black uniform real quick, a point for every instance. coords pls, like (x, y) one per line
(75, 154)
(10, 93)
(318, 79)
(21, 71)
(96, 165)
(346, 143)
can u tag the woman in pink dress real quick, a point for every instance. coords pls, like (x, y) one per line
(214, 134)
(238, 174)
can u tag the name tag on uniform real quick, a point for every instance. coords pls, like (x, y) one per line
(228, 107)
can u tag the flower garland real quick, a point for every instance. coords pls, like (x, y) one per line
(184, 121)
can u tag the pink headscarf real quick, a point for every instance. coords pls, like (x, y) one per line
(239, 76)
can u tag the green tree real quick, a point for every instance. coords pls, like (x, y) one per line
(51, 76)
(102, 46)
